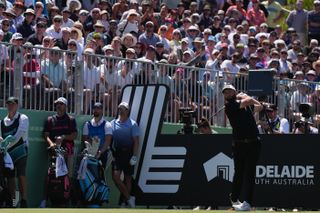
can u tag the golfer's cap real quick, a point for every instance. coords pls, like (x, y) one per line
(97, 105)
(12, 100)
(124, 104)
(61, 100)
(228, 86)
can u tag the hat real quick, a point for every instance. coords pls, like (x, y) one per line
(298, 73)
(57, 17)
(17, 36)
(186, 40)
(198, 40)
(315, 64)
(316, 2)
(61, 100)
(192, 27)
(151, 47)
(12, 100)
(78, 31)
(132, 12)
(271, 107)
(98, 24)
(107, 47)
(84, 12)
(212, 38)
(40, 4)
(10, 12)
(207, 7)
(72, 41)
(66, 29)
(159, 44)
(66, 10)
(41, 24)
(240, 45)
(188, 52)
(131, 36)
(304, 83)
(124, 104)
(76, 1)
(98, 105)
(228, 86)
(131, 50)
(254, 56)
(311, 72)
(29, 11)
(89, 50)
(163, 61)
(220, 12)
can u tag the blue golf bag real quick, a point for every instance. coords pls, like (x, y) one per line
(94, 189)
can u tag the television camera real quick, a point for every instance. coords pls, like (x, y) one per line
(187, 116)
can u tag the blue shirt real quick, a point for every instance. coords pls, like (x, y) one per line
(123, 132)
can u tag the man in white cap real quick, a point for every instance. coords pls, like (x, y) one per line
(246, 145)
(125, 149)
(26, 27)
(60, 129)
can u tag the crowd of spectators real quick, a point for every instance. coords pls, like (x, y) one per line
(231, 36)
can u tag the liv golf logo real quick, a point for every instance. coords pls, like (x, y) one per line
(221, 166)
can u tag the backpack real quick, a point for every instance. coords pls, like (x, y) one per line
(94, 189)
(58, 187)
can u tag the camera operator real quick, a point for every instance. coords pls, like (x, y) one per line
(246, 144)
(204, 127)
(279, 125)
(304, 126)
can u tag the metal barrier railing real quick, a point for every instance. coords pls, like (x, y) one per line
(40, 75)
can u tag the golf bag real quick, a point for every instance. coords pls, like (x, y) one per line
(58, 186)
(94, 189)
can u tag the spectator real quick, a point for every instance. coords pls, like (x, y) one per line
(278, 124)
(313, 22)
(61, 129)
(298, 19)
(149, 37)
(39, 8)
(299, 96)
(285, 65)
(99, 128)
(63, 42)
(91, 79)
(119, 8)
(26, 27)
(316, 67)
(116, 45)
(38, 35)
(74, 7)
(129, 25)
(5, 26)
(125, 149)
(255, 15)
(55, 29)
(275, 13)
(313, 44)
(128, 41)
(66, 20)
(98, 28)
(16, 124)
(18, 9)
(10, 15)
(231, 65)
(315, 99)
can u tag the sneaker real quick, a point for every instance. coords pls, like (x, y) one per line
(131, 202)
(245, 206)
(209, 208)
(43, 204)
(196, 208)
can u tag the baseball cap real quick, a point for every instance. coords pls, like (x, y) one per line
(228, 86)
(61, 100)
(17, 36)
(97, 105)
(124, 104)
(12, 100)
(271, 107)
(311, 72)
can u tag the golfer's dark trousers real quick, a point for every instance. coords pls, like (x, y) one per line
(245, 156)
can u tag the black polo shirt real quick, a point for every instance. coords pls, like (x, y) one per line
(242, 121)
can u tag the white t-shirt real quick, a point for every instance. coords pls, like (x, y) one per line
(91, 77)
(230, 67)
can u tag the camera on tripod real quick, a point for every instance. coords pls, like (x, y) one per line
(187, 116)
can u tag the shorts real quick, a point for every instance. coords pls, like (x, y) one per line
(121, 161)
(19, 168)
